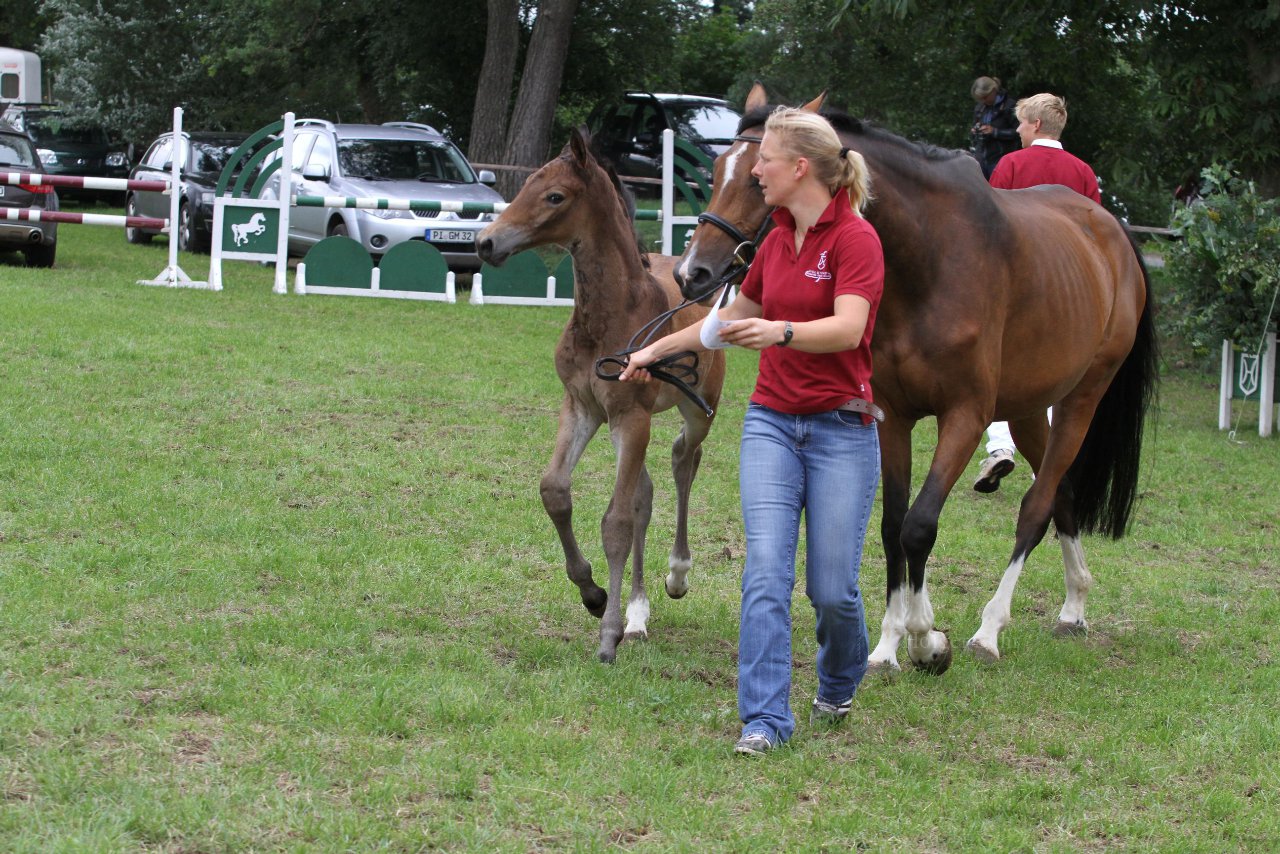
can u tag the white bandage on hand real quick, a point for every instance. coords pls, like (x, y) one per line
(711, 327)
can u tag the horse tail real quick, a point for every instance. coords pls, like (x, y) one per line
(1104, 477)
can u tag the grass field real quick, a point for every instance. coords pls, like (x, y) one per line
(275, 576)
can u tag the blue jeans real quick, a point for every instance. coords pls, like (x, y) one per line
(828, 466)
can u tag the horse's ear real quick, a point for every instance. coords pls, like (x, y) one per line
(580, 145)
(756, 98)
(816, 104)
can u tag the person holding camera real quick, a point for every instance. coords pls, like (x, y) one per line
(994, 132)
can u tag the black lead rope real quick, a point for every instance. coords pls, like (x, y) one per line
(681, 369)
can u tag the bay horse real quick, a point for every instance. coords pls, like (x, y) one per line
(577, 203)
(997, 304)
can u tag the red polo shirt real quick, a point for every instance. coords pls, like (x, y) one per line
(1045, 164)
(841, 255)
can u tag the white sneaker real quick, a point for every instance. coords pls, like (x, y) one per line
(997, 464)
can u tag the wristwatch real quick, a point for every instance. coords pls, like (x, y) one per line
(786, 334)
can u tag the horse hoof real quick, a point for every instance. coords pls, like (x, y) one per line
(937, 661)
(676, 591)
(1071, 630)
(884, 669)
(595, 601)
(982, 652)
(635, 636)
(607, 656)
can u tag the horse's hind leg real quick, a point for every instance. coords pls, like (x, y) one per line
(686, 455)
(1038, 506)
(638, 604)
(1075, 572)
(577, 426)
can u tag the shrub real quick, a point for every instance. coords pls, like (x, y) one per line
(1225, 271)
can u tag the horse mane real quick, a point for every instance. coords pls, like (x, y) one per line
(844, 123)
(627, 200)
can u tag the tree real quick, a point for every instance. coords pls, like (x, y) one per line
(493, 92)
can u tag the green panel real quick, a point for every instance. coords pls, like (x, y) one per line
(250, 229)
(233, 164)
(413, 266)
(564, 278)
(524, 275)
(339, 262)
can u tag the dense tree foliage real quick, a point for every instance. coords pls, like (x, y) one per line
(1156, 90)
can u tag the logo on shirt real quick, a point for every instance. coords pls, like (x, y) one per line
(820, 274)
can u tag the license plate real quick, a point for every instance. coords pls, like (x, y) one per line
(450, 235)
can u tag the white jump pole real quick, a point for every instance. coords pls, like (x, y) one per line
(172, 275)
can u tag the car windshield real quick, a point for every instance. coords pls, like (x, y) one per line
(704, 121)
(56, 129)
(403, 160)
(16, 152)
(212, 155)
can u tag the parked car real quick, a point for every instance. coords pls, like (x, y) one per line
(70, 146)
(629, 133)
(38, 241)
(403, 161)
(201, 159)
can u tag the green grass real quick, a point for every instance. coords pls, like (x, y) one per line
(275, 576)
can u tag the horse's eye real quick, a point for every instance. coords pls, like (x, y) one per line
(555, 198)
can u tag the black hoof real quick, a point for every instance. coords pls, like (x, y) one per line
(1070, 630)
(938, 665)
(595, 602)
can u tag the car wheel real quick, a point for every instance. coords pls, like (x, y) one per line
(41, 255)
(338, 229)
(131, 234)
(192, 239)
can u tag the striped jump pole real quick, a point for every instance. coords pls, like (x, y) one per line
(421, 205)
(33, 179)
(34, 215)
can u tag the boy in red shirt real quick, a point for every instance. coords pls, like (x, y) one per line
(1042, 160)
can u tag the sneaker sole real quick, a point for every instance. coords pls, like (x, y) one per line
(991, 482)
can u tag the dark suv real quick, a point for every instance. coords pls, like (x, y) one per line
(630, 133)
(35, 239)
(69, 146)
(201, 159)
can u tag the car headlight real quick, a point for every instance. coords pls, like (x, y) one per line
(47, 157)
(117, 158)
(206, 199)
(387, 214)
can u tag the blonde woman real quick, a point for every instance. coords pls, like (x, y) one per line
(809, 443)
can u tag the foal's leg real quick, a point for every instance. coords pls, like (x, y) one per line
(1065, 437)
(638, 603)
(577, 426)
(895, 467)
(686, 455)
(629, 430)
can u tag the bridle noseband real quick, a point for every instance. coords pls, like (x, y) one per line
(681, 369)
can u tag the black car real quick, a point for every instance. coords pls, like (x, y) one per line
(202, 158)
(69, 145)
(629, 133)
(38, 241)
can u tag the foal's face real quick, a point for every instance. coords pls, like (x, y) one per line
(545, 211)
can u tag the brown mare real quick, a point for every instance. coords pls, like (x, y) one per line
(997, 304)
(576, 203)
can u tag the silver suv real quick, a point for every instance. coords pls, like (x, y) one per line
(401, 161)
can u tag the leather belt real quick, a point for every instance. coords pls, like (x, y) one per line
(863, 407)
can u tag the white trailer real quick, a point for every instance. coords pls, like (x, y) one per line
(19, 76)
